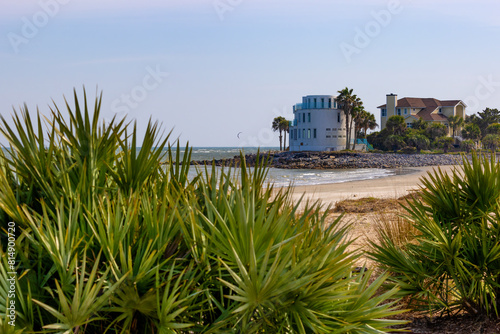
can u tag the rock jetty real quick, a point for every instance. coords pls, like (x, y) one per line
(341, 160)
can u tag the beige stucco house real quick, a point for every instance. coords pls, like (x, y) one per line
(413, 108)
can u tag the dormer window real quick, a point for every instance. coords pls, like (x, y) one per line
(439, 111)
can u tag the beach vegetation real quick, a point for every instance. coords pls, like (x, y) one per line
(455, 123)
(396, 125)
(445, 143)
(493, 129)
(491, 142)
(420, 124)
(116, 233)
(394, 142)
(467, 145)
(419, 141)
(280, 125)
(483, 119)
(453, 263)
(471, 131)
(350, 104)
(435, 131)
(367, 122)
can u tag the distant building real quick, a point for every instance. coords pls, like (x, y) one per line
(429, 109)
(318, 125)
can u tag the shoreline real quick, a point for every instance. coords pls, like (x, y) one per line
(340, 160)
(393, 186)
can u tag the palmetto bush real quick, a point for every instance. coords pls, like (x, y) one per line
(453, 261)
(110, 240)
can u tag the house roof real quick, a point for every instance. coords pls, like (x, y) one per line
(418, 102)
(427, 115)
(427, 106)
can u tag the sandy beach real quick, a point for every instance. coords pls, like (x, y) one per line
(387, 187)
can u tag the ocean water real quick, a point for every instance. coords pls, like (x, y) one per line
(297, 177)
(305, 177)
(210, 153)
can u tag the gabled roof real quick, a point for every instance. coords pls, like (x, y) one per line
(427, 106)
(427, 115)
(418, 102)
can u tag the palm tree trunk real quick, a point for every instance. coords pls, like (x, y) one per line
(281, 138)
(355, 137)
(353, 126)
(284, 142)
(347, 142)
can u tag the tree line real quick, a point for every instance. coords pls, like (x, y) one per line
(475, 131)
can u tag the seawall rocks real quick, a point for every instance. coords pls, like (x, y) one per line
(341, 160)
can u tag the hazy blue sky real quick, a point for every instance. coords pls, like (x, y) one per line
(213, 68)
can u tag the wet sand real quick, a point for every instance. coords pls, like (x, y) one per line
(387, 187)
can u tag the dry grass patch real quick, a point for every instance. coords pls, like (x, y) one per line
(372, 204)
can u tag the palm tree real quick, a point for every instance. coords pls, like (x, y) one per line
(436, 130)
(445, 142)
(491, 141)
(361, 120)
(348, 102)
(396, 125)
(278, 126)
(285, 127)
(420, 124)
(455, 123)
(367, 121)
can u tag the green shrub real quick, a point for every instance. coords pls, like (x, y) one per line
(445, 143)
(493, 129)
(419, 141)
(492, 142)
(110, 240)
(467, 145)
(394, 142)
(455, 261)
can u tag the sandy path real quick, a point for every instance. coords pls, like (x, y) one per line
(363, 224)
